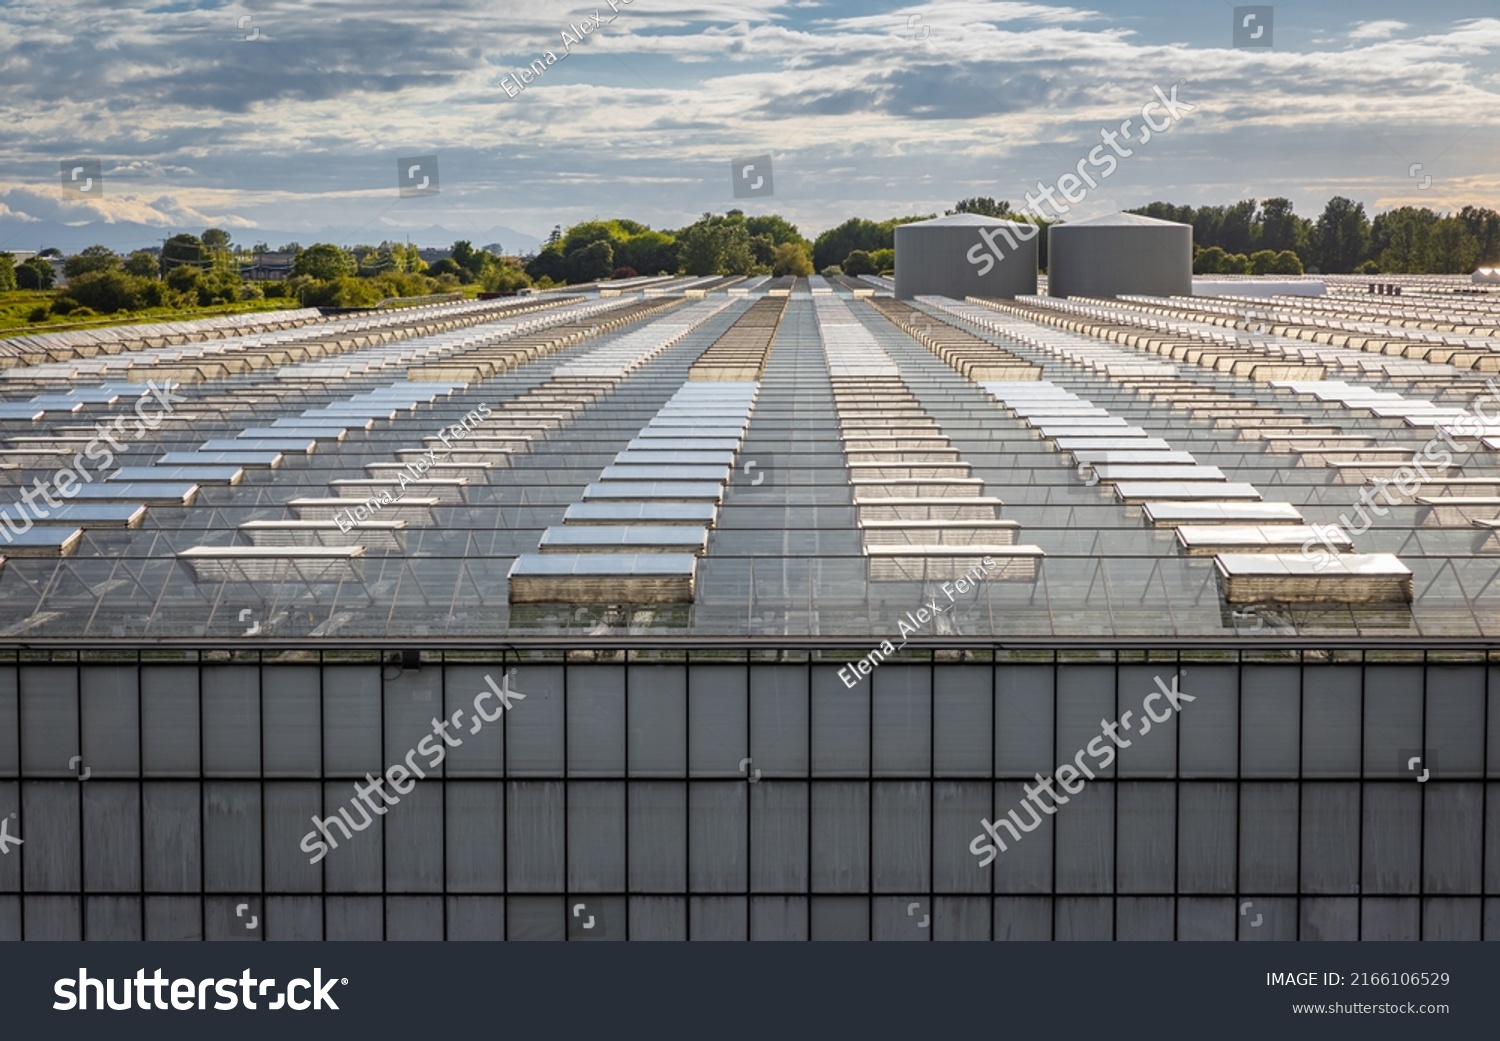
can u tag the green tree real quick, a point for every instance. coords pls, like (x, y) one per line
(791, 259)
(1166, 211)
(778, 229)
(984, 206)
(1398, 238)
(142, 264)
(1279, 224)
(91, 258)
(325, 262)
(1341, 236)
(649, 252)
(1406, 246)
(181, 249)
(1451, 248)
(505, 277)
(549, 264)
(1287, 263)
(1239, 227)
(1263, 262)
(219, 286)
(857, 263)
(470, 261)
(344, 291)
(716, 246)
(1209, 261)
(185, 279)
(7, 272)
(105, 291)
(587, 233)
(591, 263)
(1484, 225)
(1234, 264)
(1208, 226)
(35, 273)
(884, 260)
(855, 233)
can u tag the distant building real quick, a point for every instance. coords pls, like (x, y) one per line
(432, 256)
(266, 267)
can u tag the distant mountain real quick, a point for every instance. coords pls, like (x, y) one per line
(124, 237)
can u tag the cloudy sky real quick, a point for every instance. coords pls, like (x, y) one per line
(292, 115)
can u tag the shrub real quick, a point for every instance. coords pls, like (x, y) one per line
(104, 291)
(184, 279)
(218, 287)
(1234, 264)
(858, 262)
(342, 292)
(1287, 263)
(506, 277)
(790, 258)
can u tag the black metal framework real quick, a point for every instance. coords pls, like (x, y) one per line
(856, 803)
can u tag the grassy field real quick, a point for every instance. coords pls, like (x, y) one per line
(16, 308)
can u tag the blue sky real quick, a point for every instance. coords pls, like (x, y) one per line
(871, 109)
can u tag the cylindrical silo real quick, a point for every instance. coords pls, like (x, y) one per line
(1123, 253)
(965, 255)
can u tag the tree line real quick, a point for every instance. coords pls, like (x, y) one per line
(1343, 239)
(1260, 237)
(204, 270)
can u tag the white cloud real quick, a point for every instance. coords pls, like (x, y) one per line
(196, 126)
(1376, 30)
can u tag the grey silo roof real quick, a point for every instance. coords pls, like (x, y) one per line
(958, 220)
(1122, 220)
